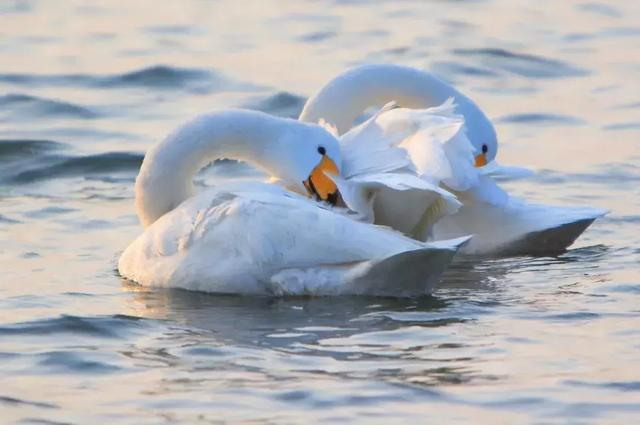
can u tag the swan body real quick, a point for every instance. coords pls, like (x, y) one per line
(516, 227)
(258, 238)
(452, 145)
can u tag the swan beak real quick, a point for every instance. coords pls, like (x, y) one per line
(481, 160)
(320, 185)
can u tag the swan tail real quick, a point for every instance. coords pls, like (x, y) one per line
(406, 274)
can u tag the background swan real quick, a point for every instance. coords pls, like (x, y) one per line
(255, 238)
(461, 158)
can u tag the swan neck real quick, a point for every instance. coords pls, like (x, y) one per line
(346, 97)
(166, 176)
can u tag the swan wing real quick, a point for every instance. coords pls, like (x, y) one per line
(245, 238)
(486, 191)
(430, 143)
(396, 161)
(370, 148)
(438, 145)
(362, 194)
(517, 227)
(406, 274)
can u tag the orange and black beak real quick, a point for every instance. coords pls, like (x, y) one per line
(481, 160)
(320, 185)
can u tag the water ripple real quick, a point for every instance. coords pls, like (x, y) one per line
(523, 64)
(64, 166)
(600, 9)
(155, 77)
(8, 220)
(634, 125)
(159, 77)
(75, 362)
(446, 68)
(15, 149)
(16, 106)
(624, 386)
(103, 327)
(539, 118)
(610, 173)
(17, 401)
(282, 104)
(316, 37)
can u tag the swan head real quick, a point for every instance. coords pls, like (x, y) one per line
(310, 156)
(484, 141)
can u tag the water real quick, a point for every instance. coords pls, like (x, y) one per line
(86, 88)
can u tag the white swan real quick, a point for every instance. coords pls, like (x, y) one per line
(462, 161)
(257, 238)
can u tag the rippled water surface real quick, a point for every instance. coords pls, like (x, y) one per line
(86, 87)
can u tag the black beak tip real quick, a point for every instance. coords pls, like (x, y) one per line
(333, 198)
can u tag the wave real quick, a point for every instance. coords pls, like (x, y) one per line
(623, 126)
(75, 361)
(600, 9)
(282, 104)
(523, 64)
(11, 149)
(618, 174)
(64, 166)
(624, 386)
(8, 220)
(447, 68)
(21, 105)
(160, 76)
(539, 118)
(316, 37)
(104, 327)
(17, 401)
(157, 76)
(30, 161)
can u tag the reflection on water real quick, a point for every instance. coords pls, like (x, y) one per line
(85, 89)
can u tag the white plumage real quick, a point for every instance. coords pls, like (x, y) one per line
(262, 239)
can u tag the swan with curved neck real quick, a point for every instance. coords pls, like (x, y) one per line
(257, 238)
(349, 94)
(272, 144)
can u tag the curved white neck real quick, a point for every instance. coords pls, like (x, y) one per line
(348, 95)
(166, 176)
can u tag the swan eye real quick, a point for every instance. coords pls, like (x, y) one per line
(484, 148)
(322, 150)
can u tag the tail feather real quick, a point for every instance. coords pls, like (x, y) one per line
(406, 274)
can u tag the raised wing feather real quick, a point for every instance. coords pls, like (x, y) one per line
(370, 148)
(359, 193)
(430, 143)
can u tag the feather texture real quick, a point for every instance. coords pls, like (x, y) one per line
(261, 239)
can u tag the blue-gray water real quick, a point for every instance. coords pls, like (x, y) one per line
(86, 87)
